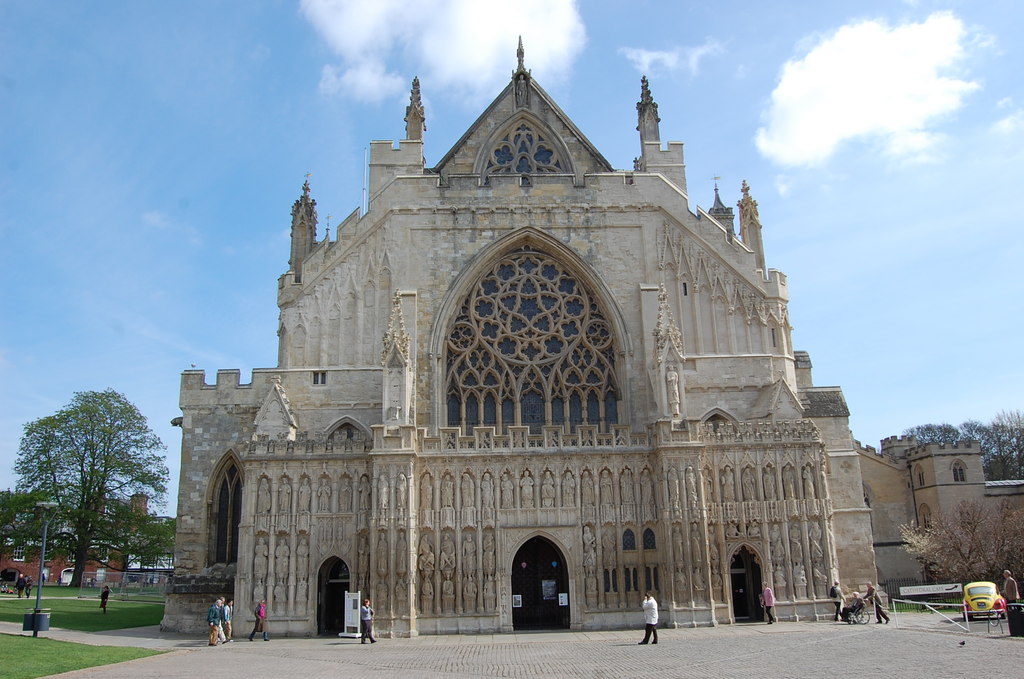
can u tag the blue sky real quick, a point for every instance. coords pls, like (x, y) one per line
(150, 153)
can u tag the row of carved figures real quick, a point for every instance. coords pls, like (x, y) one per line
(544, 489)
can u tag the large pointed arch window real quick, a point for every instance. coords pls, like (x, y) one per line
(530, 346)
(226, 513)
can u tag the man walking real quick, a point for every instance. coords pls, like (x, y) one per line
(213, 618)
(366, 623)
(650, 607)
(225, 619)
(836, 594)
(768, 601)
(872, 596)
(1011, 592)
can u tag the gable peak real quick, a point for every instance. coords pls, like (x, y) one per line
(521, 79)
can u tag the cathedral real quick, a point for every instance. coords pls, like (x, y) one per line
(519, 391)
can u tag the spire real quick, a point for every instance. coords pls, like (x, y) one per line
(521, 79)
(303, 230)
(415, 120)
(750, 226)
(647, 115)
(722, 214)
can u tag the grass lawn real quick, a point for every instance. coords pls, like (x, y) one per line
(27, 657)
(85, 614)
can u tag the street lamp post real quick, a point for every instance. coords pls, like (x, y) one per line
(46, 507)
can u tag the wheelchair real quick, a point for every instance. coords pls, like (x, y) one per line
(858, 615)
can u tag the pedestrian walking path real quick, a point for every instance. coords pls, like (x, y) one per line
(786, 649)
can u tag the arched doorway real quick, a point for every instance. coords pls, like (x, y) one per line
(540, 587)
(745, 572)
(334, 581)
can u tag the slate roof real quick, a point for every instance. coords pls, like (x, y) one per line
(825, 402)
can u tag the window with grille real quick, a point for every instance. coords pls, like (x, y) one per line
(628, 541)
(530, 346)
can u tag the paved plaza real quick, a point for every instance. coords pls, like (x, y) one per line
(786, 649)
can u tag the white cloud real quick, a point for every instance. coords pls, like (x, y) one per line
(1010, 124)
(465, 45)
(690, 57)
(867, 80)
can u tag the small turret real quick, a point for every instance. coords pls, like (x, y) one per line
(647, 115)
(303, 231)
(415, 119)
(750, 227)
(723, 215)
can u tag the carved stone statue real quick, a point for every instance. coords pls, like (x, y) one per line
(626, 487)
(488, 553)
(808, 484)
(447, 555)
(547, 490)
(382, 493)
(691, 488)
(749, 486)
(364, 494)
(672, 387)
(587, 493)
(728, 485)
(467, 490)
(468, 553)
(263, 496)
(487, 491)
(507, 491)
(526, 490)
(426, 557)
(284, 496)
(568, 490)
(259, 567)
(769, 483)
(345, 494)
(281, 553)
(323, 496)
(426, 493)
(447, 491)
(305, 494)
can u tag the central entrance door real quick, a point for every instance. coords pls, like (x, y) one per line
(540, 583)
(746, 586)
(333, 583)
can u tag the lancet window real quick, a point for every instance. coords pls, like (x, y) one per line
(227, 512)
(530, 346)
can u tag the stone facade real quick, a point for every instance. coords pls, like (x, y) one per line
(520, 390)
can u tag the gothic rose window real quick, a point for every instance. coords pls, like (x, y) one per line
(523, 151)
(530, 346)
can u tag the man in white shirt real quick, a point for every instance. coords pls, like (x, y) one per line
(650, 607)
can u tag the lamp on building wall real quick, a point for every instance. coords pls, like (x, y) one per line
(46, 507)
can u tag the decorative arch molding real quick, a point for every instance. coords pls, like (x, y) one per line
(717, 417)
(738, 547)
(527, 240)
(567, 554)
(348, 426)
(512, 135)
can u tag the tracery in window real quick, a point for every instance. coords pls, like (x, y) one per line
(959, 472)
(530, 346)
(628, 541)
(523, 151)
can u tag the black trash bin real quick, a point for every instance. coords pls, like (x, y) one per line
(36, 622)
(1015, 619)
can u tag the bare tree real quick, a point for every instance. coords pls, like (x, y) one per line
(972, 542)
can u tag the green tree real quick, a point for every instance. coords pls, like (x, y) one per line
(19, 523)
(972, 542)
(91, 457)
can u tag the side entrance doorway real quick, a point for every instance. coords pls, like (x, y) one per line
(333, 582)
(540, 587)
(745, 572)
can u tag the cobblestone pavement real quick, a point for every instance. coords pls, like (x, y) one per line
(786, 649)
